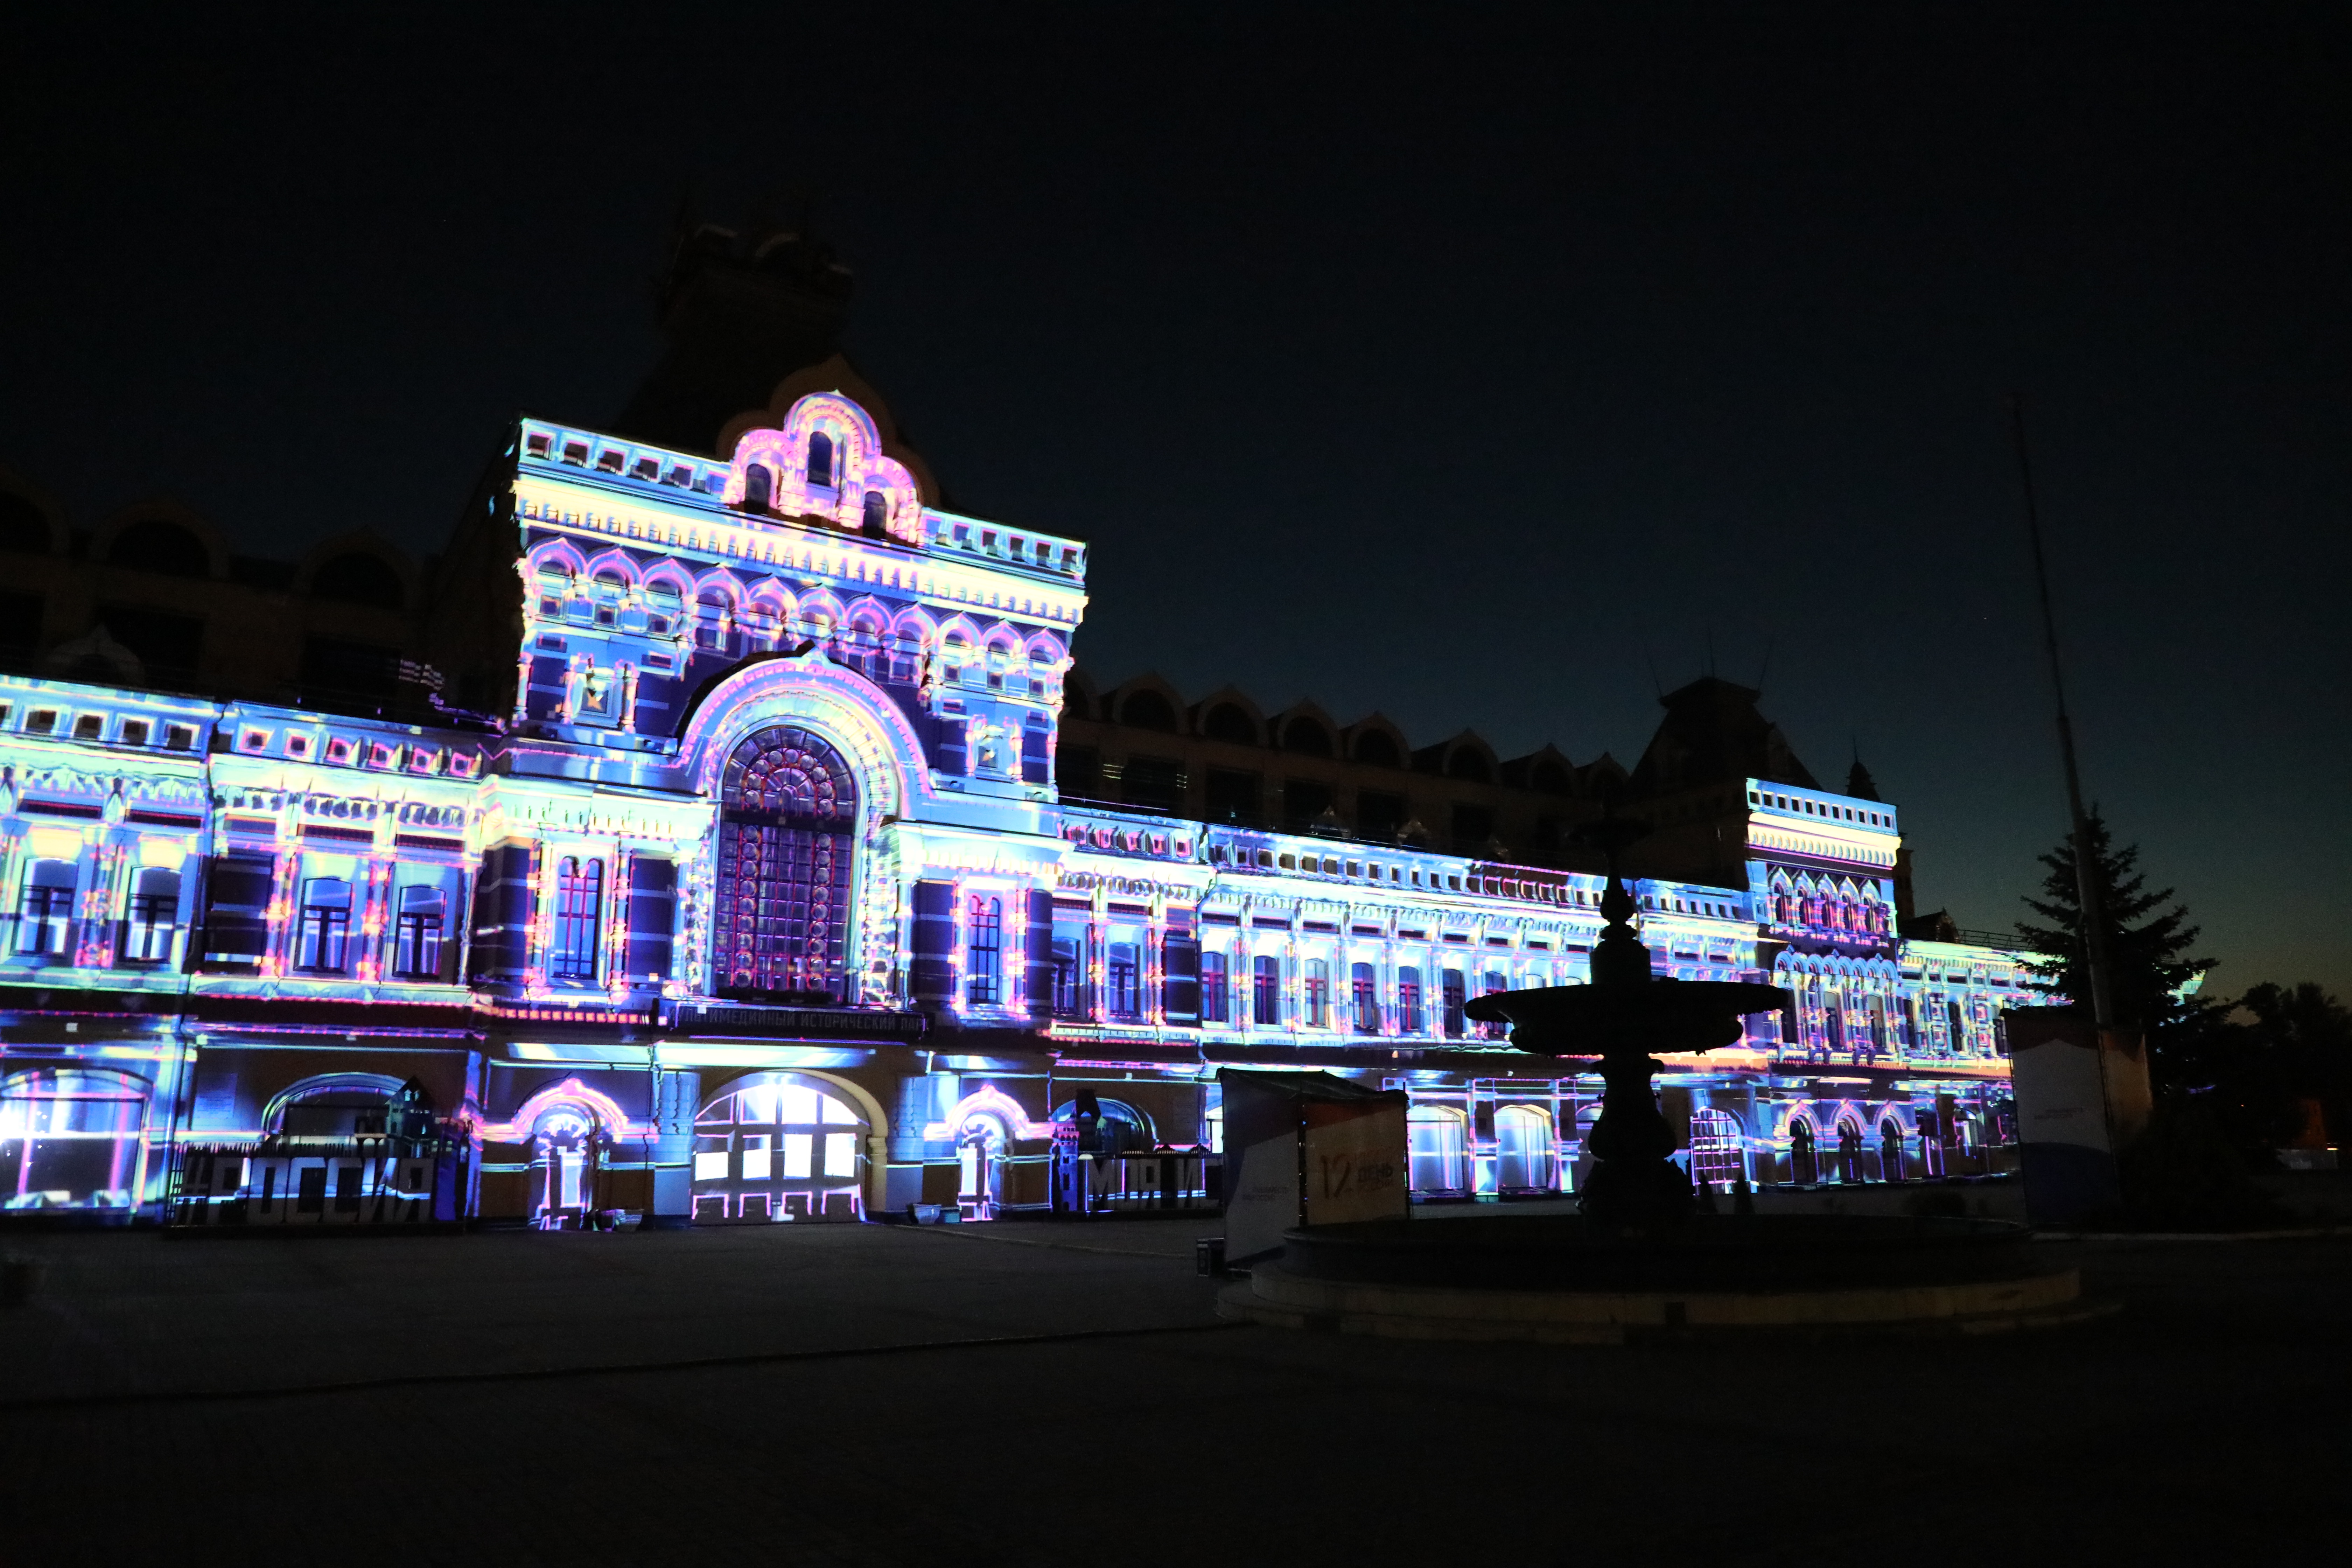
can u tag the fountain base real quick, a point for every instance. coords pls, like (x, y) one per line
(1559, 1280)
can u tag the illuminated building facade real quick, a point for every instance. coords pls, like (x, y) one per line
(751, 895)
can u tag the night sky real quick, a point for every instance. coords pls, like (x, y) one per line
(1481, 366)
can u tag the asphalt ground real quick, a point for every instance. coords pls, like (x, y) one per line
(1035, 1393)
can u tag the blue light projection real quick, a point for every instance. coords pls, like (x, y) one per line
(756, 901)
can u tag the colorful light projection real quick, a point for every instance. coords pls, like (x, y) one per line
(333, 865)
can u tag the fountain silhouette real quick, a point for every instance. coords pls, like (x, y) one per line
(1626, 1018)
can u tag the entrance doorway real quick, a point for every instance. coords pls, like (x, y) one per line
(565, 1159)
(981, 1143)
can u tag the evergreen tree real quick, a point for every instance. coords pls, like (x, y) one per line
(2148, 943)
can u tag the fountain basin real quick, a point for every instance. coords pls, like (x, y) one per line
(1556, 1277)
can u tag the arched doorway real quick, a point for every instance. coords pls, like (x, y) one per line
(779, 1146)
(566, 1158)
(1439, 1151)
(1802, 1170)
(1890, 1150)
(980, 1146)
(780, 909)
(1524, 1159)
(70, 1139)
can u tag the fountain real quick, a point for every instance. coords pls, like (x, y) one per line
(1638, 1259)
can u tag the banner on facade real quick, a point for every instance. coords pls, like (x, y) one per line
(1355, 1161)
(2066, 1136)
(1306, 1149)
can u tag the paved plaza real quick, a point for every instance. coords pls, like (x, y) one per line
(1029, 1393)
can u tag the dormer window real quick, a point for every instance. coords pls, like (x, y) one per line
(820, 459)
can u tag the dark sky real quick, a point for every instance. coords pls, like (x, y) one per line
(1471, 364)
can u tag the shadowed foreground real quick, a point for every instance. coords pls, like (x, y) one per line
(2193, 1424)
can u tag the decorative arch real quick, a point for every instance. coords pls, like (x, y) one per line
(876, 739)
(382, 1085)
(991, 1102)
(667, 573)
(561, 556)
(820, 615)
(854, 464)
(618, 561)
(774, 1144)
(610, 1120)
(142, 521)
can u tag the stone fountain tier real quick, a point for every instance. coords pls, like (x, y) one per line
(1556, 1277)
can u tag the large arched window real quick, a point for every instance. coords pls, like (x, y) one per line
(820, 459)
(777, 1146)
(781, 906)
(1802, 1170)
(1715, 1147)
(1523, 1150)
(70, 1139)
(1439, 1149)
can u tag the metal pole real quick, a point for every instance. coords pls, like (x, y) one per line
(2086, 884)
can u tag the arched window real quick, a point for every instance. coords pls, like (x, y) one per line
(775, 1146)
(875, 524)
(1377, 748)
(1849, 1151)
(1716, 1147)
(1468, 762)
(1551, 778)
(820, 459)
(1523, 1150)
(1438, 1150)
(579, 915)
(780, 909)
(759, 488)
(70, 1139)
(1803, 1168)
(1890, 1150)
(983, 968)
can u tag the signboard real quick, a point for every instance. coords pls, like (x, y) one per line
(1306, 1149)
(1355, 1163)
(2063, 1128)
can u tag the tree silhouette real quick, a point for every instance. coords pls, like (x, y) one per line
(2148, 943)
